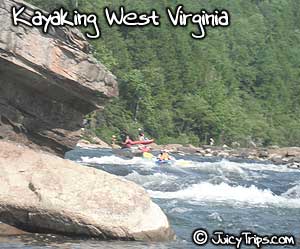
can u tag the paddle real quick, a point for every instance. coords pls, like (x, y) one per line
(147, 155)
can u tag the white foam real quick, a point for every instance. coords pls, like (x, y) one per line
(223, 166)
(216, 216)
(293, 192)
(156, 179)
(180, 210)
(207, 192)
(114, 160)
(265, 167)
(226, 166)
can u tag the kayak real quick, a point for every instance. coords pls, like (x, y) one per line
(163, 161)
(142, 142)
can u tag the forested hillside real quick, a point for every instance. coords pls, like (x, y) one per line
(240, 83)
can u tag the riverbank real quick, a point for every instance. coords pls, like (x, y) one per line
(289, 156)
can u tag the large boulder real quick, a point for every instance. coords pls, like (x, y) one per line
(285, 152)
(48, 83)
(46, 194)
(173, 147)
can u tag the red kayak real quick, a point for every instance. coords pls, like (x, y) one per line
(142, 142)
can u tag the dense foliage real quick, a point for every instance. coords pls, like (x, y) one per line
(239, 84)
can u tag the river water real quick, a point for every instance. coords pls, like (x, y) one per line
(196, 192)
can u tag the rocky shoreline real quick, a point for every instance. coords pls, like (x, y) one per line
(289, 156)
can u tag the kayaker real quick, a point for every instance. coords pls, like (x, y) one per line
(142, 137)
(113, 140)
(127, 142)
(164, 156)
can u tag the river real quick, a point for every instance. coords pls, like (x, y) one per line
(196, 192)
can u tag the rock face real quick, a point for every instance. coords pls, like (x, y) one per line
(48, 82)
(44, 193)
(7, 230)
(99, 144)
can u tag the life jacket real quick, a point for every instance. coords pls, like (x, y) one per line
(164, 156)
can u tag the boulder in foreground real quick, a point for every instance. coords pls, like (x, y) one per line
(45, 194)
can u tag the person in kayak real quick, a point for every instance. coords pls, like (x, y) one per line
(127, 142)
(164, 156)
(113, 141)
(142, 136)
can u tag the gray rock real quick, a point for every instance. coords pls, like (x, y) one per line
(48, 83)
(293, 152)
(294, 165)
(276, 159)
(188, 150)
(296, 159)
(285, 152)
(263, 154)
(223, 154)
(46, 194)
(173, 147)
(215, 153)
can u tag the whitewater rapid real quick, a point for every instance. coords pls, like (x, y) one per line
(196, 192)
(226, 182)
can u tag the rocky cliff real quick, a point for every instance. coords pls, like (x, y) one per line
(48, 82)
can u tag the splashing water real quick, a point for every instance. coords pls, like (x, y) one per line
(198, 193)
